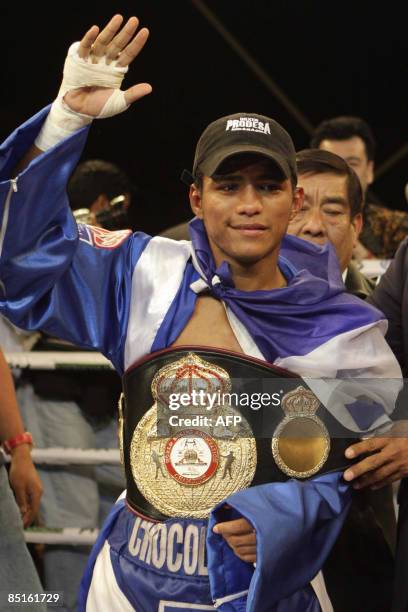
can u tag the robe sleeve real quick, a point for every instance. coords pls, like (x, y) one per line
(296, 523)
(70, 281)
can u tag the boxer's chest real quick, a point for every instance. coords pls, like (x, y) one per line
(209, 326)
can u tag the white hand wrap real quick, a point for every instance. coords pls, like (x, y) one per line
(78, 72)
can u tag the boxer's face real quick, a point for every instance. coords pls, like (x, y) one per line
(246, 211)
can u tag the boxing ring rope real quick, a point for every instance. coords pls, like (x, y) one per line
(77, 456)
(63, 360)
(58, 360)
(68, 536)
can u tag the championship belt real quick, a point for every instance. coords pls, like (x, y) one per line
(181, 461)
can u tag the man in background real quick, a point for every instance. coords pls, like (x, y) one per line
(332, 211)
(100, 194)
(391, 296)
(352, 139)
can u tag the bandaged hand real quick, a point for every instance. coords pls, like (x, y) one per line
(241, 537)
(93, 73)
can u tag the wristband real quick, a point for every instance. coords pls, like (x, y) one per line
(24, 438)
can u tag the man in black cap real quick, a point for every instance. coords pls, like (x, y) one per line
(223, 139)
(236, 302)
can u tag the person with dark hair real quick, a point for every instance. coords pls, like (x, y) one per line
(352, 139)
(239, 300)
(100, 194)
(331, 211)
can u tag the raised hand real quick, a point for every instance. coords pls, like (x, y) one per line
(93, 73)
(114, 46)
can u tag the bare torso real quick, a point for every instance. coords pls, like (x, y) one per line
(209, 326)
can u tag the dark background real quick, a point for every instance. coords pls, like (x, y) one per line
(329, 58)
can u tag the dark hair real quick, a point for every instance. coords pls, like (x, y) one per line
(93, 178)
(342, 128)
(317, 161)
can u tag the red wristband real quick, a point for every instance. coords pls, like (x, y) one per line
(24, 438)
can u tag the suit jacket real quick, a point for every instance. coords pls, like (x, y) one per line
(357, 284)
(359, 571)
(391, 296)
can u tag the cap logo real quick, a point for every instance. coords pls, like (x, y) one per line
(248, 124)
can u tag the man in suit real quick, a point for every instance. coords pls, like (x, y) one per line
(353, 139)
(391, 296)
(332, 211)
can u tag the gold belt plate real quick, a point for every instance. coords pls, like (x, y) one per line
(185, 475)
(301, 442)
(188, 474)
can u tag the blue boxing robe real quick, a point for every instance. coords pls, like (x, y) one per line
(128, 295)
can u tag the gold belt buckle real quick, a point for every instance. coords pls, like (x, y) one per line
(185, 475)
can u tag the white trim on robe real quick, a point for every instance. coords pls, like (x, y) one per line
(156, 279)
(104, 587)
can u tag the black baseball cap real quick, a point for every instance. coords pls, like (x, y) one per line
(244, 133)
